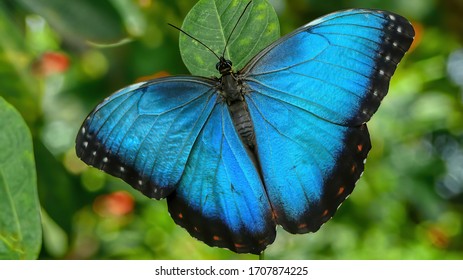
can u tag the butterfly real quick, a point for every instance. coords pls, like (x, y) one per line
(280, 142)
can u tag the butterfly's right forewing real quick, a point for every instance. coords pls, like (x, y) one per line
(337, 68)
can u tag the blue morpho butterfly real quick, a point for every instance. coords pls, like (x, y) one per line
(280, 142)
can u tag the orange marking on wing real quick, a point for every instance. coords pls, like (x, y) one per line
(216, 238)
(359, 147)
(341, 190)
(353, 168)
(262, 241)
(325, 213)
(180, 215)
(301, 226)
(238, 245)
(274, 214)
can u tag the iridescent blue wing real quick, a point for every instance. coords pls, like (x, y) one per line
(309, 165)
(221, 199)
(144, 133)
(337, 67)
(311, 93)
(172, 137)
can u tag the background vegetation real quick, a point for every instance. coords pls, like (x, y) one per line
(58, 59)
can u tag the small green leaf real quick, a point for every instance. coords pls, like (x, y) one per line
(211, 22)
(20, 226)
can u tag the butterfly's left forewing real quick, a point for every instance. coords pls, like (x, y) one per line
(144, 133)
(310, 94)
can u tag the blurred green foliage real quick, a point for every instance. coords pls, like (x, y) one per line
(55, 66)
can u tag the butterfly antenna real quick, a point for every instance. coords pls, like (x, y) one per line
(229, 36)
(195, 40)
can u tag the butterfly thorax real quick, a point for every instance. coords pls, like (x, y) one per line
(232, 89)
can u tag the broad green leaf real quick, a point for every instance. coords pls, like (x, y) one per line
(211, 22)
(20, 226)
(97, 21)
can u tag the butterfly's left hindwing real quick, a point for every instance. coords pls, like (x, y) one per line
(144, 133)
(220, 199)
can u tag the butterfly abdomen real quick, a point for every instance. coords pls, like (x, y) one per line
(242, 121)
(232, 91)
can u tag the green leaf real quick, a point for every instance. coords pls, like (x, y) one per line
(97, 21)
(211, 22)
(20, 226)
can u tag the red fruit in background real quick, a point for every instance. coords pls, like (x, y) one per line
(115, 204)
(51, 63)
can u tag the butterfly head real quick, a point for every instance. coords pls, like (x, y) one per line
(224, 66)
